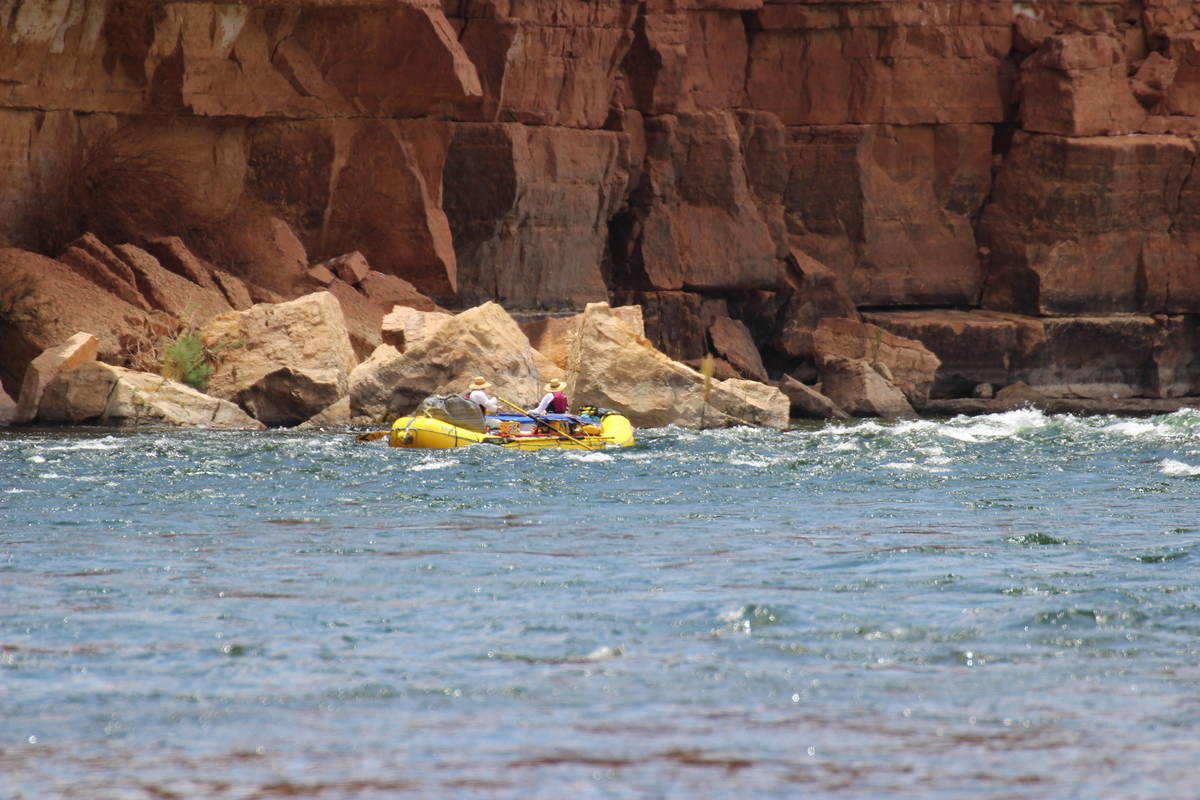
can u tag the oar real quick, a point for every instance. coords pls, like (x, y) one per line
(546, 422)
(372, 436)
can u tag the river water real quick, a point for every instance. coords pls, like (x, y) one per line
(1003, 606)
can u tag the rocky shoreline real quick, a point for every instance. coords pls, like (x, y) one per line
(879, 209)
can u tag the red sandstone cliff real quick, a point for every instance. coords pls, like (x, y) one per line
(770, 161)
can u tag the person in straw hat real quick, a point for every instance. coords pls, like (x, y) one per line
(553, 400)
(477, 394)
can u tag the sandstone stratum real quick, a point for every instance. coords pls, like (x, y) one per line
(880, 207)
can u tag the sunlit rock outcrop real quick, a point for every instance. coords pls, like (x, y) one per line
(79, 349)
(611, 365)
(483, 340)
(95, 393)
(283, 362)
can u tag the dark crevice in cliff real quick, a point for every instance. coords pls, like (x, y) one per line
(624, 267)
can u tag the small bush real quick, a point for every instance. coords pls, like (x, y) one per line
(186, 360)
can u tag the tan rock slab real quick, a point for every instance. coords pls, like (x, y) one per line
(79, 349)
(286, 360)
(614, 367)
(484, 340)
(96, 393)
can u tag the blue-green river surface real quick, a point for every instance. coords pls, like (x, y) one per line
(1003, 606)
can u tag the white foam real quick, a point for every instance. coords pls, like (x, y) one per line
(592, 457)
(1135, 428)
(993, 426)
(1170, 466)
(450, 462)
(107, 443)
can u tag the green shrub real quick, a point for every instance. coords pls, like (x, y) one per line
(186, 360)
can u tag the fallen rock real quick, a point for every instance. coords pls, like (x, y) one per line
(483, 340)
(854, 386)
(335, 416)
(1019, 395)
(166, 291)
(808, 402)
(283, 361)
(271, 255)
(350, 267)
(79, 349)
(362, 317)
(387, 291)
(612, 366)
(554, 337)
(905, 362)
(8, 408)
(96, 393)
(92, 259)
(174, 255)
(49, 302)
(732, 341)
(404, 327)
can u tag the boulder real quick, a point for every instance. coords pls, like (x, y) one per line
(95, 393)
(363, 318)
(406, 327)
(554, 337)
(8, 408)
(350, 267)
(1091, 357)
(79, 349)
(387, 291)
(974, 347)
(905, 362)
(808, 402)
(1019, 395)
(92, 259)
(270, 254)
(46, 302)
(335, 416)
(174, 255)
(166, 291)
(614, 367)
(856, 387)
(731, 340)
(282, 362)
(483, 340)
(811, 292)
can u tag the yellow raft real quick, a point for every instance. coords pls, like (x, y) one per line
(599, 431)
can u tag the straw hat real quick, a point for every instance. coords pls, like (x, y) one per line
(555, 385)
(479, 382)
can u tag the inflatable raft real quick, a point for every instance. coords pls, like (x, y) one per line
(445, 422)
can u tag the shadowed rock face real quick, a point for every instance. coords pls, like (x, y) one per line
(1032, 158)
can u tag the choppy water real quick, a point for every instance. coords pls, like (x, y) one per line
(998, 607)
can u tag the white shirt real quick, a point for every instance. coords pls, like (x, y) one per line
(481, 398)
(547, 398)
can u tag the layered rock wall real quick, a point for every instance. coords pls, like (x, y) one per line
(773, 162)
